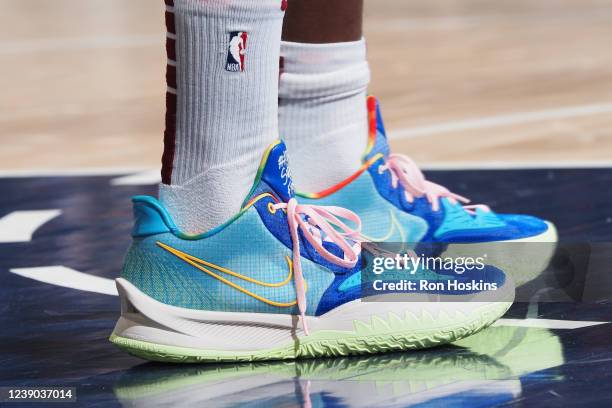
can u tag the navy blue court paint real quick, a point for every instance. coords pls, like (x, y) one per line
(51, 335)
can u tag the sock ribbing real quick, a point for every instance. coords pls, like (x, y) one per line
(322, 110)
(226, 107)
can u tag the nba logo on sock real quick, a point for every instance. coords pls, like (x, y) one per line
(236, 51)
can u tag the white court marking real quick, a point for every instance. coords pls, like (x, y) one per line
(150, 177)
(502, 165)
(69, 278)
(546, 323)
(138, 179)
(140, 176)
(133, 175)
(501, 120)
(20, 226)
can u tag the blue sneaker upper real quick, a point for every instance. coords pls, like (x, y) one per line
(243, 265)
(246, 264)
(450, 223)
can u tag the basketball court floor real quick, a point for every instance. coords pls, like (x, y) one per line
(509, 103)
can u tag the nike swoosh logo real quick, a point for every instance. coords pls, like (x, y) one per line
(394, 225)
(204, 267)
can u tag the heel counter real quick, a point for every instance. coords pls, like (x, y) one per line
(150, 217)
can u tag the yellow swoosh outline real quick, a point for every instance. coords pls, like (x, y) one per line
(197, 263)
(394, 224)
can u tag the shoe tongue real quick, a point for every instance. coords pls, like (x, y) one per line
(377, 139)
(275, 171)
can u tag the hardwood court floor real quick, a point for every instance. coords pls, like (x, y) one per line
(460, 81)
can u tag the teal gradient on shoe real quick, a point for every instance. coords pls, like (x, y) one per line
(456, 219)
(245, 265)
(382, 221)
(255, 243)
(262, 257)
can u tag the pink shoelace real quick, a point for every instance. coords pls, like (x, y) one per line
(320, 219)
(412, 179)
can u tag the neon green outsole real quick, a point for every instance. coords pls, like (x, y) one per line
(382, 335)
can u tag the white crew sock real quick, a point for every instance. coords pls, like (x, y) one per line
(322, 111)
(226, 110)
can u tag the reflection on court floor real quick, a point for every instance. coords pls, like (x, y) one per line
(62, 240)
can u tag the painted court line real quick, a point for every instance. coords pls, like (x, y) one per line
(138, 179)
(133, 175)
(136, 176)
(130, 176)
(150, 177)
(20, 226)
(546, 323)
(501, 120)
(69, 278)
(501, 165)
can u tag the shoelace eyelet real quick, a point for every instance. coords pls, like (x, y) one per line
(271, 208)
(381, 169)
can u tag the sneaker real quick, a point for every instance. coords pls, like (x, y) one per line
(389, 187)
(279, 280)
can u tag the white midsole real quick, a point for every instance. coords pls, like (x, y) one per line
(144, 318)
